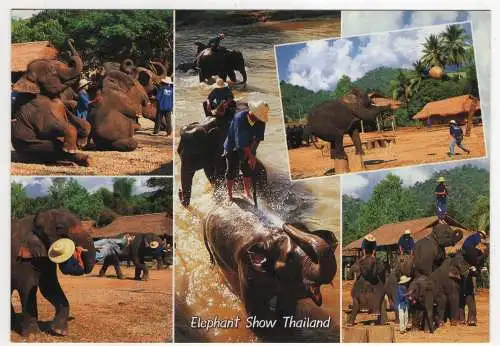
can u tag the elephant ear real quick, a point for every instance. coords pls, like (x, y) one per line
(454, 273)
(258, 257)
(25, 84)
(144, 78)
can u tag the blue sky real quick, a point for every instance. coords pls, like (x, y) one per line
(361, 185)
(319, 65)
(39, 186)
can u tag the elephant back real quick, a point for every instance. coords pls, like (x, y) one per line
(445, 235)
(195, 136)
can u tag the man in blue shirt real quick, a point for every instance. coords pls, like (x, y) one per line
(245, 133)
(441, 194)
(403, 303)
(406, 245)
(457, 137)
(164, 104)
(82, 107)
(214, 43)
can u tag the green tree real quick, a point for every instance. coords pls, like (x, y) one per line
(480, 215)
(350, 219)
(161, 199)
(19, 201)
(453, 45)
(433, 52)
(343, 86)
(123, 187)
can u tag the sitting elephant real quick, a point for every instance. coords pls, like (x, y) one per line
(221, 62)
(422, 294)
(448, 279)
(137, 247)
(31, 269)
(369, 289)
(430, 251)
(44, 130)
(114, 119)
(268, 267)
(201, 147)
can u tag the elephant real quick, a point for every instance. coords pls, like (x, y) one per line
(136, 251)
(31, 268)
(147, 77)
(114, 119)
(332, 119)
(201, 147)
(448, 279)
(44, 130)
(369, 289)
(268, 267)
(221, 62)
(404, 265)
(430, 251)
(422, 295)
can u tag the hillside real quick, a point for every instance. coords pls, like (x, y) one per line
(378, 79)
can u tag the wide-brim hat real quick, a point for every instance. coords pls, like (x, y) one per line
(483, 233)
(260, 109)
(219, 84)
(61, 250)
(83, 82)
(453, 122)
(441, 180)
(404, 279)
(370, 237)
(154, 244)
(166, 80)
(407, 231)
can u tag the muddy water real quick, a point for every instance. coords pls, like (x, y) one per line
(200, 290)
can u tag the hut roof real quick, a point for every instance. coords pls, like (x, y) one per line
(381, 101)
(24, 53)
(389, 234)
(449, 107)
(157, 223)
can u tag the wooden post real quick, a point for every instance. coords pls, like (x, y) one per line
(378, 124)
(362, 128)
(472, 110)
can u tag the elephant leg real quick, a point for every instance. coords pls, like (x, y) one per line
(461, 309)
(472, 313)
(210, 173)
(145, 270)
(83, 129)
(383, 311)
(232, 76)
(454, 303)
(338, 144)
(356, 140)
(48, 151)
(125, 144)
(428, 314)
(115, 262)
(354, 312)
(138, 271)
(52, 291)
(29, 317)
(187, 173)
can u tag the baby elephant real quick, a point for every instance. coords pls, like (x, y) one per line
(422, 296)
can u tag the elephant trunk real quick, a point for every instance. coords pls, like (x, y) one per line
(321, 265)
(82, 239)
(127, 66)
(161, 70)
(70, 73)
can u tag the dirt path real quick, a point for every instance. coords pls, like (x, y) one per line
(111, 310)
(447, 333)
(414, 146)
(153, 156)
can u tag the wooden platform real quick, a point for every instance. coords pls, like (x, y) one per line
(379, 334)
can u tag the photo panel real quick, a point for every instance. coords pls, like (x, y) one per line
(92, 259)
(238, 276)
(104, 78)
(382, 100)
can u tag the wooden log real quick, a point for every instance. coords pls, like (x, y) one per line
(355, 162)
(383, 143)
(369, 145)
(355, 334)
(341, 166)
(375, 144)
(381, 334)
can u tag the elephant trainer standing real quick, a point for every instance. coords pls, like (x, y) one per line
(246, 131)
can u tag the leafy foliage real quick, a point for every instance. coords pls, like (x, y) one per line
(102, 35)
(468, 202)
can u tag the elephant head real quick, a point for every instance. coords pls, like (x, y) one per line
(147, 77)
(301, 261)
(50, 77)
(52, 225)
(458, 268)
(445, 235)
(238, 63)
(372, 269)
(404, 265)
(421, 291)
(361, 105)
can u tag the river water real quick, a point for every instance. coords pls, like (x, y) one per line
(199, 289)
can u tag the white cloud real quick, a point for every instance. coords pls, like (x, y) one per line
(356, 23)
(424, 18)
(23, 14)
(413, 175)
(353, 185)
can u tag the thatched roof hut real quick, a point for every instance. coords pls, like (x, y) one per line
(157, 223)
(453, 108)
(24, 53)
(381, 101)
(388, 235)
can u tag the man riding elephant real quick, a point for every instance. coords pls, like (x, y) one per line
(220, 103)
(44, 130)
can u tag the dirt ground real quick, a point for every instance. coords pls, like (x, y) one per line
(111, 310)
(413, 146)
(153, 156)
(447, 333)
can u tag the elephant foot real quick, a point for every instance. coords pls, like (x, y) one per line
(82, 142)
(82, 160)
(60, 331)
(30, 328)
(137, 278)
(70, 150)
(360, 152)
(453, 323)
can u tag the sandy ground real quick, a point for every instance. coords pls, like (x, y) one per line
(413, 146)
(153, 156)
(447, 333)
(111, 310)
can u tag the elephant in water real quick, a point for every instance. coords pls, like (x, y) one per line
(221, 62)
(268, 267)
(369, 289)
(43, 129)
(31, 269)
(332, 119)
(114, 118)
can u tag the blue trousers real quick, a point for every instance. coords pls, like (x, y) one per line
(458, 144)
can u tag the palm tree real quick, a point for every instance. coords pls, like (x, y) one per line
(400, 88)
(433, 53)
(416, 76)
(453, 45)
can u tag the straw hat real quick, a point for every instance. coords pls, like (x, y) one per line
(453, 122)
(260, 109)
(441, 180)
(219, 84)
(482, 233)
(404, 279)
(154, 244)
(83, 82)
(61, 250)
(369, 237)
(407, 231)
(166, 80)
